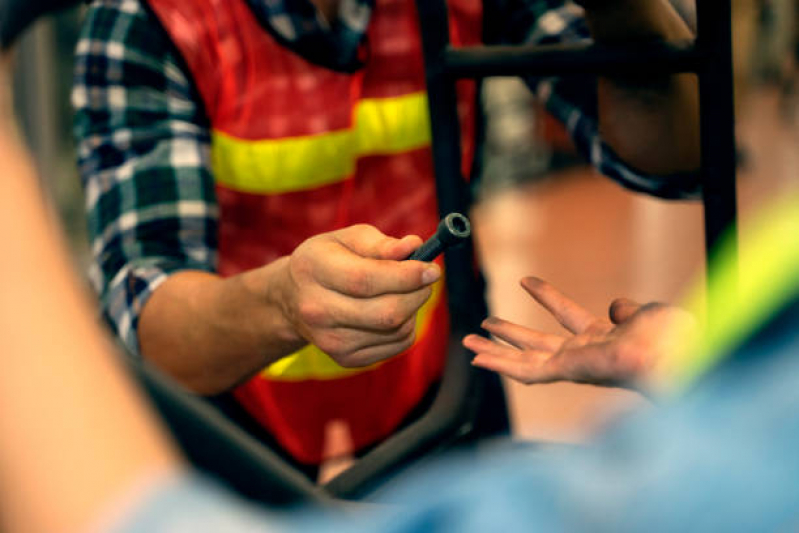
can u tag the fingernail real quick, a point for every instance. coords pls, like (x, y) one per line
(431, 274)
(490, 321)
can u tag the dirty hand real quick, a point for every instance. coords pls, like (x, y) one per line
(619, 351)
(351, 293)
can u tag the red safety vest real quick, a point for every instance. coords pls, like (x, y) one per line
(299, 149)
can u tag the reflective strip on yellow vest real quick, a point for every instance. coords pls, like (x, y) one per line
(381, 126)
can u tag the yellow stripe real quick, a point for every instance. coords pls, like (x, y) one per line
(272, 166)
(767, 280)
(312, 363)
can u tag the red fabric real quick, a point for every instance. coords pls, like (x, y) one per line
(372, 403)
(253, 88)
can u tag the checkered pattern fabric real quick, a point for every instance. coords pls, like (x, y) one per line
(144, 141)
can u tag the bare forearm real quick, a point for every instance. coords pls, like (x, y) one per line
(74, 435)
(212, 333)
(349, 292)
(651, 121)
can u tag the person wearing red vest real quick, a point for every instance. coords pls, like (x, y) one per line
(257, 170)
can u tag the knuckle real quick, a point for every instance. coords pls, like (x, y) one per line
(301, 263)
(335, 348)
(363, 233)
(361, 228)
(390, 318)
(312, 313)
(359, 283)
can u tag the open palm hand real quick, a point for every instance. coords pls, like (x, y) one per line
(621, 350)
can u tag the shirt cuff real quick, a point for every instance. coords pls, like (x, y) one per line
(130, 289)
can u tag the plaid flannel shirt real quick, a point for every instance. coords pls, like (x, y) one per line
(144, 143)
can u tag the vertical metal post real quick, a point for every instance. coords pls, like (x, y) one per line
(451, 188)
(717, 122)
(481, 392)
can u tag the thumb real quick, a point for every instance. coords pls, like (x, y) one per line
(368, 241)
(622, 309)
(400, 249)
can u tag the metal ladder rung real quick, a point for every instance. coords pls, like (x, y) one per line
(570, 59)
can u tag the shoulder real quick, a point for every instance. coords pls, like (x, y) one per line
(123, 29)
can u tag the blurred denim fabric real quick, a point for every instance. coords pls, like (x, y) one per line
(724, 457)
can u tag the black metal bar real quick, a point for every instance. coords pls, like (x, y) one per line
(440, 426)
(221, 449)
(570, 59)
(717, 122)
(464, 390)
(451, 189)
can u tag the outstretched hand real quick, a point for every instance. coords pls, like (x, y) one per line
(619, 351)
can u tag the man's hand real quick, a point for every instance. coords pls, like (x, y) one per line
(618, 351)
(350, 293)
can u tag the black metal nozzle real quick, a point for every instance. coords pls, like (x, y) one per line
(452, 230)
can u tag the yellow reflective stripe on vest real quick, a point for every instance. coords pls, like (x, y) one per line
(312, 363)
(272, 166)
(768, 279)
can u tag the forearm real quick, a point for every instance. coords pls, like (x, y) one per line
(211, 333)
(651, 121)
(74, 435)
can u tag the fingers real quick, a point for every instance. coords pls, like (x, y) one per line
(353, 348)
(522, 337)
(622, 309)
(523, 371)
(368, 241)
(351, 296)
(571, 315)
(598, 364)
(402, 248)
(528, 366)
(382, 313)
(481, 345)
(334, 263)
(372, 354)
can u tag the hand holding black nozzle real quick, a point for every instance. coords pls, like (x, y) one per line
(452, 230)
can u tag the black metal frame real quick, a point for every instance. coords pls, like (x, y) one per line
(709, 56)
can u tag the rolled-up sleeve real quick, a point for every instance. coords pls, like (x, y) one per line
(143, 154)
(572, 100)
